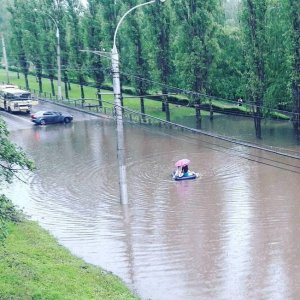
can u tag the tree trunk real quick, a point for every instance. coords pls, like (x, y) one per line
(52, 86)
(257, 121)
(198, 112)
(163, 106)
(296, 110)
(66, 85)
(143, 108)
(40, 83)
(167, 108)
(26, 81)
(82, 91)
(211, 111)
(295, 20)
(99, 96)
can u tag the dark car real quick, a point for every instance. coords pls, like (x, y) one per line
(49, 117)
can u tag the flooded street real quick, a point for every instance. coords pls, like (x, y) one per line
(231, 234)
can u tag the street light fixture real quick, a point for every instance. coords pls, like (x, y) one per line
(59, 93)
(118, 108)
(5, 57)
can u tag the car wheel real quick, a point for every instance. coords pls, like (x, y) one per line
(42, 122)
(67, 120)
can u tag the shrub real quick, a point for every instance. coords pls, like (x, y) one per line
(8, 213)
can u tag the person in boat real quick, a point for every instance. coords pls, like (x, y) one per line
(178, 172)
(186, 172)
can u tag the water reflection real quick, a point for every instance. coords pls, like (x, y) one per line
(274, 132)
(231, 234)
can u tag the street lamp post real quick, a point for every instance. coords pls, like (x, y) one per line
(59, 93)
(5, 57)
(118, 108)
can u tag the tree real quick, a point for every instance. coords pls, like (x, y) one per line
(12, 160)
(75, 35)
(50, 16)
(278, 65)
(31, 38)
(160, 22)
(17, 39)
(196, 45)
(94, 42)
(132, 43)
(227, 78)
(255, 49)
(294, 14)
(110, 11)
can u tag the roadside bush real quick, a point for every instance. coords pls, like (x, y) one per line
(8, 213)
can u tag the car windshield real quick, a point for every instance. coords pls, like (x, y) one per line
(19, 96)
(39, 113)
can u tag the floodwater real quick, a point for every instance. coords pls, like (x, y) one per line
(231, 234)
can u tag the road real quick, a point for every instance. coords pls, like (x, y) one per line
(22, 121)
(231, 234)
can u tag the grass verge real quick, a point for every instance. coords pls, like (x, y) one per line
(152, 107)
(34, 266)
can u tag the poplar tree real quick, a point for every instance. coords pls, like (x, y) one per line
(51, 15)
(75, 39)
(278, 66)
(160, 32)
(93, 35)
(294, 14)
(255, 48)
(31, 38)
(17, 38)
(196, 45)
(132, 42)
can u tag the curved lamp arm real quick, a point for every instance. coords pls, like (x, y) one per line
(42, 12)
(129, 11)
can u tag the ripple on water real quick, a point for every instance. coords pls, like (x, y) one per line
(174, 240)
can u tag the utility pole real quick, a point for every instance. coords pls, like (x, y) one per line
(120, 129)
(5, 57)
(59, 94)
(118, 107)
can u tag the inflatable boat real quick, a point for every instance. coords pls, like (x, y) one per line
(178, 178)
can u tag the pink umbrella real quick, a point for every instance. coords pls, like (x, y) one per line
(182, 162)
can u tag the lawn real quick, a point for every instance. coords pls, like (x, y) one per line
(152, 107)
(34, 266)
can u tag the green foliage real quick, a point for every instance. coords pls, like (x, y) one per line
(93, 40)
(196, 44)
(227, 78)
(12, 161)
(12, 158)
(8, 213)
(201, 45)
(75, 40)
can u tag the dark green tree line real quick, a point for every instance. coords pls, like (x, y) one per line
(247, 48)
(294, 13)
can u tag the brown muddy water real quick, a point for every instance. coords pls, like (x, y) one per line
(231, 234)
